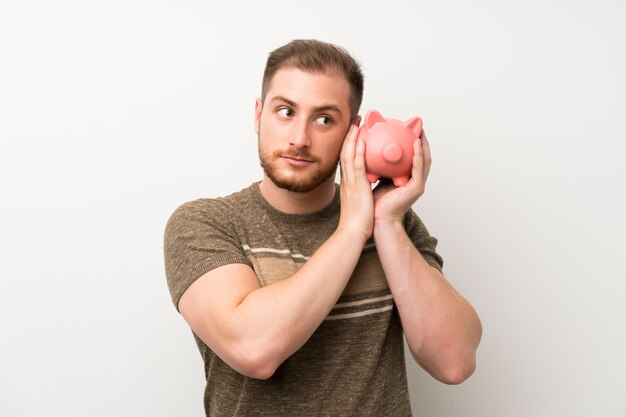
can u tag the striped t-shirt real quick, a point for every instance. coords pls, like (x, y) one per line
(353, 364)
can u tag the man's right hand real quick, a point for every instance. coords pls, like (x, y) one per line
(357, 202)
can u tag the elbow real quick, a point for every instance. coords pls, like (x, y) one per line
(453, 371)
(254, 363)
(462, 362)
(258, 370)
(457, 373)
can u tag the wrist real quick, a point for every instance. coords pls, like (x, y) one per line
(387, 225)
(354, 234)
(388, 221)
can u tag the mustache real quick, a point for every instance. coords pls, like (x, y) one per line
(295, 153)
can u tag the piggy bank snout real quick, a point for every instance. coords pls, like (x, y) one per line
(392, 153)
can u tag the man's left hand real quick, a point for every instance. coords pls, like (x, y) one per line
(391, 202)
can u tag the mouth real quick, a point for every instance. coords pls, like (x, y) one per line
(296, 160)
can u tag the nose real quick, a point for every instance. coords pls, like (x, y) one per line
(300, 135)
(392, 153)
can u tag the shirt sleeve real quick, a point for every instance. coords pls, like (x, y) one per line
(423, 241)
(199, 236)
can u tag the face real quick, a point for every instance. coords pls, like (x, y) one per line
(301, 125)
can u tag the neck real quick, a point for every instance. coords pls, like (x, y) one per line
(298, 203)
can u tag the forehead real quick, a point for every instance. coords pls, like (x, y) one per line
(309, 89)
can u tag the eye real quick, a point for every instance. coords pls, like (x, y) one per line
(323, 120)
(285, 112)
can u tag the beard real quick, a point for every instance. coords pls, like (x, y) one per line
(292, 178)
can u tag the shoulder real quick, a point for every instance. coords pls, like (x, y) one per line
(209, 211)
(193, 215)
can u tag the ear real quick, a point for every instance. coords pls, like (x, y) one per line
(356, 121)
(372, 117)
(258, 107)
(415, 124)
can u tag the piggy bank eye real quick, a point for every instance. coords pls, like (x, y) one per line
(285, 112)
(323, 120)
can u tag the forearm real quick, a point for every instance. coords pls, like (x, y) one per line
(441, 327)
(273, 322)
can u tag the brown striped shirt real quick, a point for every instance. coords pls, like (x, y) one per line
(353, 364)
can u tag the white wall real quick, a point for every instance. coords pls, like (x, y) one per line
(113, 113)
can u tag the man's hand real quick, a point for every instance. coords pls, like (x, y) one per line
(360, 208)
(357, 203)
(390, 202)
(441, 328)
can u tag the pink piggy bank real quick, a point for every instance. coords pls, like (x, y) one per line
(389, 146)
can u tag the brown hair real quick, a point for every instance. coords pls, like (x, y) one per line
(316, 56)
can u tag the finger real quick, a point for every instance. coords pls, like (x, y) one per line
(359, 156)
(418, 162)
(348, 147)
(348, 152)
(427, 155)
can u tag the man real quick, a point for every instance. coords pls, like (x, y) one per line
(298, 291)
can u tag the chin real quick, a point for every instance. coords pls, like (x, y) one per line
(299, 183)
(297, 180)
(297, 186)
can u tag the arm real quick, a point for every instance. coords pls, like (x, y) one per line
(441, 328)
(228, 309)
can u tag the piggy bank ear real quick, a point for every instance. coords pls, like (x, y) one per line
(372, 117)
(415, 124)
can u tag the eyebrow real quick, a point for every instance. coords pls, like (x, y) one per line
(327, 107)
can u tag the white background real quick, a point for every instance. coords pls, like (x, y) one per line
(114, 113)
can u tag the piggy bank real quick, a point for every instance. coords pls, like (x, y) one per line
(389, 146)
